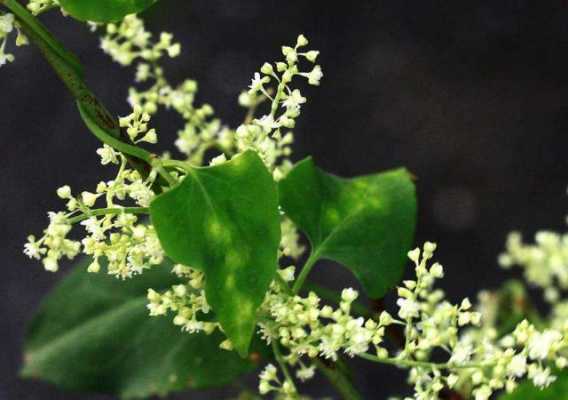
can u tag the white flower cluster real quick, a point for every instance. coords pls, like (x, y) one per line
(290, 240)
(270, 382)
(271, 135)
(112, 232)
(545, 263)
(136, 125)
(478, 361)
(308, 330)
(430, 321)
(503, 361)
(129, 246)
(202, 131)
(129, 42)
(53, 245)
(187, 301)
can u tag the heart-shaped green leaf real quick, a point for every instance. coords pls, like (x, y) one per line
(224, 221)
(93, 333)
(104, 10)
(558, 390)
(366, 223)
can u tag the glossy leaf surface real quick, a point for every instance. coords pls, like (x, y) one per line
(224, 221)
(104, 10)
(365, 223)
(93, 333)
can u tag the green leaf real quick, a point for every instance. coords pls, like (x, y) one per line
(527, 391)
(366, 223)
(104, 10)
(93, 333)
(224, 221)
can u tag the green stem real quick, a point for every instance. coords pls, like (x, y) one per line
(314, 256)
(104, 136)
(338, 379)
(421, 364)
(99, 121)
(109, 211)
(183, 165)
(283, 284)
(158, 165)
(282, 363)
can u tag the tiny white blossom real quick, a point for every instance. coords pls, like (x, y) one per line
(540, 344)
(315, 76)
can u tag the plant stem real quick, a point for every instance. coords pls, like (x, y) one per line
(97, 118)
(283, 284)
(104, 136)
(183, 165)
(420, 364)
(338, 379)
(282, 363)
(158, 165)
(109, 211)
(314, 256)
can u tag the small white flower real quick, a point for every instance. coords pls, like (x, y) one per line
(32, 248)
(267, 123)
(89, 198)
(315, 76)
(257, 83)
(518, 365)
(108, 155)
(306, 373)
(408, 308)
(301, 41)
(312, 55)
(482, 393)
(349, 295)
(462, 353)
(220, 159)
(6, 24)
(94, 267)
(294, 100)
(267, 69)
(541, 377)
(269, 373)
(50, 264)
(540, 344)
(437, 271)
(64, 192)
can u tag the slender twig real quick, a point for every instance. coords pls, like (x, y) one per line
(338, 379)
(314, 256)
(420, 364)
(280, 360)
(283, 284)
(109, 211)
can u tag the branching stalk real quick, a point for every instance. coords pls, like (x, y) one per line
(109, 211)
(305, 272)
(338, 379)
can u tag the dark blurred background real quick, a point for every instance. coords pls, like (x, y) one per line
(470, 96)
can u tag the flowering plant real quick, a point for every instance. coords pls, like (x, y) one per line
(214, 244)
